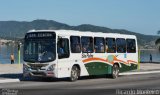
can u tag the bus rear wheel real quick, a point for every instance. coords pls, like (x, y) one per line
(74, 74)
(115, 71)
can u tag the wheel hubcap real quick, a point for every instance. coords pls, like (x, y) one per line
(115, 71)
(74, 75)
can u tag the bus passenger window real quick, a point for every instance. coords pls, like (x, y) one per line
(63, 48)
(99, 45)
(110, 45)
(87, 44)
(75, 44)
(121, 45)
(131, 45)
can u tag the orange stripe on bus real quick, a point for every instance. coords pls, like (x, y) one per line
(100, 59)
(132, 61)
(91, 59)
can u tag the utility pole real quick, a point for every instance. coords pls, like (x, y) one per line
(19, 53)
(139, 58)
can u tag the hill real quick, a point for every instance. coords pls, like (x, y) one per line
(17, 29)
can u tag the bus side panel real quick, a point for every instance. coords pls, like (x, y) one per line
(98, 64)
(65, 66)
(132, 62)
(125, 68)
(77, 60)
(98, 68)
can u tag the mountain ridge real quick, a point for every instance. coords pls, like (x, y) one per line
(17, 29)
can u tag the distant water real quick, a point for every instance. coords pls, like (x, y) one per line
(145, 55)
(5, 52)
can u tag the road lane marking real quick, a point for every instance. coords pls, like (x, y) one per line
(139, 73)
(9, 80)
(126, 73)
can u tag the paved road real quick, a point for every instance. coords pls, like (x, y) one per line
(85, 86)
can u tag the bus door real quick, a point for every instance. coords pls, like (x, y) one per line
(63, 56)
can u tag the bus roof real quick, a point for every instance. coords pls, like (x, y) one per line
(85, 33)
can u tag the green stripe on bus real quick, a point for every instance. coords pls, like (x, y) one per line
(125, 68)
(99, 68)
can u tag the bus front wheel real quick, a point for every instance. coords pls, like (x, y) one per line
(115, 71)
(74, 74)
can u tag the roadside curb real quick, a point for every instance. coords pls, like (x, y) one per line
(9, 80)
(139, 73)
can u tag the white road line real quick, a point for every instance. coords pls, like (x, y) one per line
(126, 73)
(9, 80)
(139, 73)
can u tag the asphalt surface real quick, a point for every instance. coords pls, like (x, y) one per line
(85, 86)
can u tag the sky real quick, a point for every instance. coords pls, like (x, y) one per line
(141, 16)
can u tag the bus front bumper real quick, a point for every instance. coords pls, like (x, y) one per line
(39, 74)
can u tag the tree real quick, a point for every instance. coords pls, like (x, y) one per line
(158, 40)
(158, 32)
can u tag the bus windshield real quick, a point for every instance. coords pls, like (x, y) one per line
(39, 47)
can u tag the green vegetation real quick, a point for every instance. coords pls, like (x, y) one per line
(17, 29)
(158, 40)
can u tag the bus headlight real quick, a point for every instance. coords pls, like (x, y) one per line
(51, 67)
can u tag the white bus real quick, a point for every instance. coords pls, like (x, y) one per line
(69, 53)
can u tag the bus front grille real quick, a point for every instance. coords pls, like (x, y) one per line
(39, 73)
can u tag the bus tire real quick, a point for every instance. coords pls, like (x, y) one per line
(115, 71)
(74, 74)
